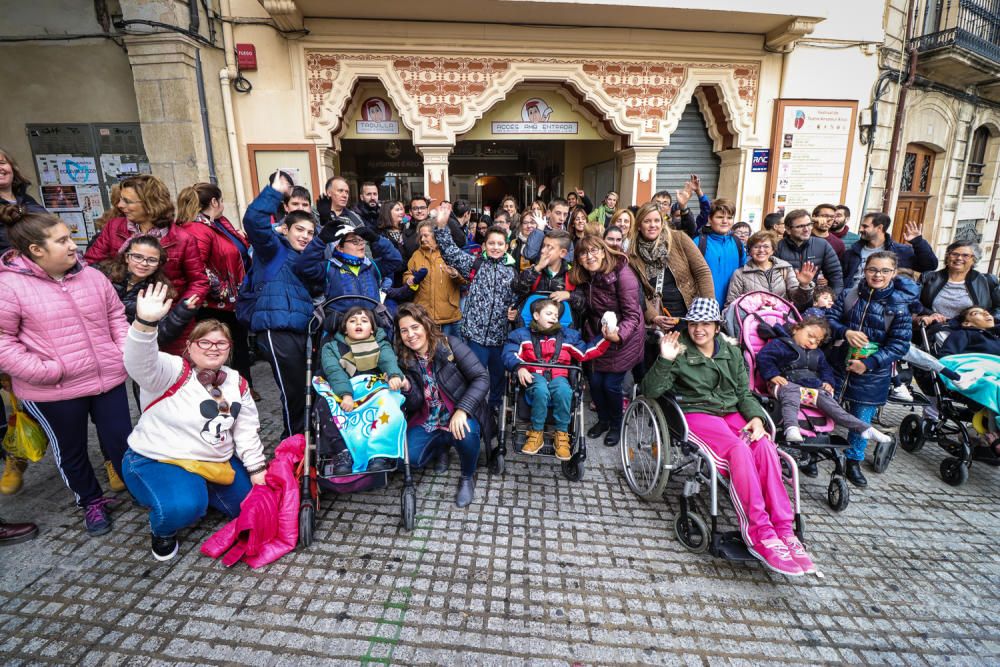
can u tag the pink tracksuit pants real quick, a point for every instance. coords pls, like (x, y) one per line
(754, 470)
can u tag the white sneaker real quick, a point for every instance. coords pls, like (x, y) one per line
(901, 393)
(793, 434)
(872, 433)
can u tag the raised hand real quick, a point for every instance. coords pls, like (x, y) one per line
(807, 273)
(282, 182)
(696, 183)
(670, 345)
(152, 303)
(911, 231)
(443, 214)
(683, 195)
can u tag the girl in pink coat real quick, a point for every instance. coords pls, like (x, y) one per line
(62, 333)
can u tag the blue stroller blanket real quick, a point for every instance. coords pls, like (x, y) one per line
(980, 378)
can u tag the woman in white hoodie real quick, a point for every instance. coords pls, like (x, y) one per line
(196, 414)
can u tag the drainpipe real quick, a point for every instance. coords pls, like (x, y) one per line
(226, 74)
(212, 176)
(897, 127)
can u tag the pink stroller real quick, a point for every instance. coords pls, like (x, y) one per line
(750, 319)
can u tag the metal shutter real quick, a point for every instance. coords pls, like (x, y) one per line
(690, 152)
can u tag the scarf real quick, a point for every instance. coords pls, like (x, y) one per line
(394, 235)
(653, 254)
(362, 356)
(133, 230)
(551, 331)
(350, 260)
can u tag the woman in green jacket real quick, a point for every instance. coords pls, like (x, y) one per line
(724, 419)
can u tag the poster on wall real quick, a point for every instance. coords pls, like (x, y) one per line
(376, 118)
(536, 118)
(810, 153)
(77, 226)
(60, 198)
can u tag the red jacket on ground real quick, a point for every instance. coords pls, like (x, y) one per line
(268, 525)
(223, 260)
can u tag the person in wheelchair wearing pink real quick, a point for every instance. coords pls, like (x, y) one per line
(707, 374)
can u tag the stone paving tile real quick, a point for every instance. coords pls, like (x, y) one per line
(538, 571)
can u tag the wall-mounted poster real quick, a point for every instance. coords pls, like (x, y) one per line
(376, 117)
(536, 118)
(60, 198)
(811, 153)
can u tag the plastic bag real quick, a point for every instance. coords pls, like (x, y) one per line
(24, 438)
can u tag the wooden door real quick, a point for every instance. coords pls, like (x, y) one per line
(914, 188)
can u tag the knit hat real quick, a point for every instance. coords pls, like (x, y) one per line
(704, 310)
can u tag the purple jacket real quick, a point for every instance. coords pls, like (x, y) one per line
(619, 292)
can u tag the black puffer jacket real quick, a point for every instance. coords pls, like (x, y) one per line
(460, 377)
(170, 327)
(983, 288)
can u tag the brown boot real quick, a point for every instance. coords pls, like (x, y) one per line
(562, 446)
(534, 442)
(13, 475)
(114, 481)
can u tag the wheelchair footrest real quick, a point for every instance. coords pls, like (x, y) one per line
(729, 545)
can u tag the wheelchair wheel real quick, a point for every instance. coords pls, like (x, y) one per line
(573, 469)
(497, 464)
(408, 507)
(911, 433)
(307, 524)
(692, 531)
(838, 494)
(884, 453)
(954, 472)
(645, 448)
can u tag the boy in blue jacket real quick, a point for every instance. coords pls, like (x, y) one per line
(546, 341)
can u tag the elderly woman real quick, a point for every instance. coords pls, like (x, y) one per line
(764, 272)
(148, 210)
(445, 389)
(946, 292)
(708, 374)
(196, 444)
(437, 285)
(610, 285)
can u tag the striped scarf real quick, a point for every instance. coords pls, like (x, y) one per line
(361, 357)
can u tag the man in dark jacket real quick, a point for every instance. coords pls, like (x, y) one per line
(800, 246)
(419, 210)
(368, 207)
(916, 254)
(333, 204)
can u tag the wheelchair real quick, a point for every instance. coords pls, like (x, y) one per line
(515, 422)
(656, 448)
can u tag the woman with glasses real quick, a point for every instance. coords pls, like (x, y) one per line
(148, 210)
(873, 320)
(764, 272)
(946, 292)
(196, 444)
(610, 285)
(526, 224)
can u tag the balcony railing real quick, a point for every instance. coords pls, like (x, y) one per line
(972, 25)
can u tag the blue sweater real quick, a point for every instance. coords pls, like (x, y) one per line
(723, 254)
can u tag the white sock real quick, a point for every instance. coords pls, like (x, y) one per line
(872, 433)
(793, 434)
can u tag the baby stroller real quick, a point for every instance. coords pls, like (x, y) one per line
(950, 430)
(515, 412)
(315, 475)
(750, 319)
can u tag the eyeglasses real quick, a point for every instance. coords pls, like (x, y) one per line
(962, 255)
(806, 226)
(593, 252)
(875, 272)
(142, 259)
(762, 246)
(220, 345)
(353, 240)
(418, 208)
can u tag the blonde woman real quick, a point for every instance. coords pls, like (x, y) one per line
(625, 221)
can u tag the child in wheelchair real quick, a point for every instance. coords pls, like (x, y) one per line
(545, 340)
(798, 373)
(359, 347)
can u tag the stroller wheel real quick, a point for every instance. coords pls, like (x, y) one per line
(497, 464)
(911, 433)
(838, 495)
(692, 532)
(954, 472)
(883, 456)
(307, 525)
(408, 507)
(573, 469)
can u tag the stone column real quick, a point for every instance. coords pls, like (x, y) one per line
(166, 91)
(638, 174)
(435, 171)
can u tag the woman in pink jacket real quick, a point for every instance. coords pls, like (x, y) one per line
(62, 334)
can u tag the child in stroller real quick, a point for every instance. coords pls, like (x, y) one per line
(358, 347)
(545, 340)
(798, 373)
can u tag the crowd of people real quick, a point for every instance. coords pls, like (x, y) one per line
(174, 301)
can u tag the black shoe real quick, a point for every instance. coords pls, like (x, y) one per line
(809, 468)
(854, 474)
(466, 491)
(441, 462)
(164, 548)
(343, 463)
(598, 429)
(613, 437)
(381, 464)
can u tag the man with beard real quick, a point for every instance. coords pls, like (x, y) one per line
(916, 254)
(420, 207)
(367, 207)
(822, 219)
(840, 229)
(800, 246)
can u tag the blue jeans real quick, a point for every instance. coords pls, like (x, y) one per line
(177, 498)
(606, 390)
(453, 329)
(492, 359)
(541, 394)
(856, 451)
(423, 446)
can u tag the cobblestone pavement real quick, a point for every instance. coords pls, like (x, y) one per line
(539, 570)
